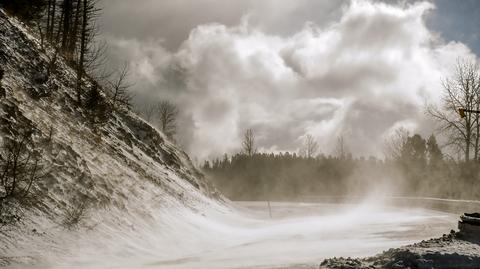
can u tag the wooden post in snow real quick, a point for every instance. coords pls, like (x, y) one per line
(269, 208)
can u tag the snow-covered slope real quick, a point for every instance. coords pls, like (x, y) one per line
(126, 171)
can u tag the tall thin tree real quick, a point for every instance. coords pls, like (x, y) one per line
(310, 147)
(167, 117)
(119, 88)
(248, 143)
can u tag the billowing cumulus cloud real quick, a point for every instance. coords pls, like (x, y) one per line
(366, 72)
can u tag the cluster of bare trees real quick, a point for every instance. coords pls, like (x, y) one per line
(309, 148)
(69, 26)
(460, 93)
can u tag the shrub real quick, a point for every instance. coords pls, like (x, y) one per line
(21, 166)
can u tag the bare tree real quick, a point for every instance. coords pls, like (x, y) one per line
(248, 143)
(52, 62)
(83, 49)
(42, 35)
(67, 10)
(341, 150)
(73, 35)
(310, 147)
(167, 118)
(50, 17)
(147, 112)
(162, 114)
(119, 88)
(395, 142)
(462, 91)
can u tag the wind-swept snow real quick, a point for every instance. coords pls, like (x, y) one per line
(242, 237)
(148, 207)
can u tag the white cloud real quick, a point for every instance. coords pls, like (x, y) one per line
(370, 70)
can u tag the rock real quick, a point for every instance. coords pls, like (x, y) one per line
(469, 225)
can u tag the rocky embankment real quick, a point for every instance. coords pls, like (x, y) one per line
(455, 250)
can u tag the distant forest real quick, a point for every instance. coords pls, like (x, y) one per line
(412, 165)
(415, 166)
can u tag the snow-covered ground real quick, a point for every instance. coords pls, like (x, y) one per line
(244, 236)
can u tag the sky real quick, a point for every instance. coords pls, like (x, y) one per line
(286, 69)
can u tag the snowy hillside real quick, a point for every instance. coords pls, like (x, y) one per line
(121, 171)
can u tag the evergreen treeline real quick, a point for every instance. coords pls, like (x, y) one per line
(417, 168)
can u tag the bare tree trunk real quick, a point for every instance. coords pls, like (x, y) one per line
(465, 82)
(49, 14)
(83, 48)
(59, 29)
(467, 146)
(52, 22)
(477, 130)
(67, 18)
(73, 35)
(42, 37)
